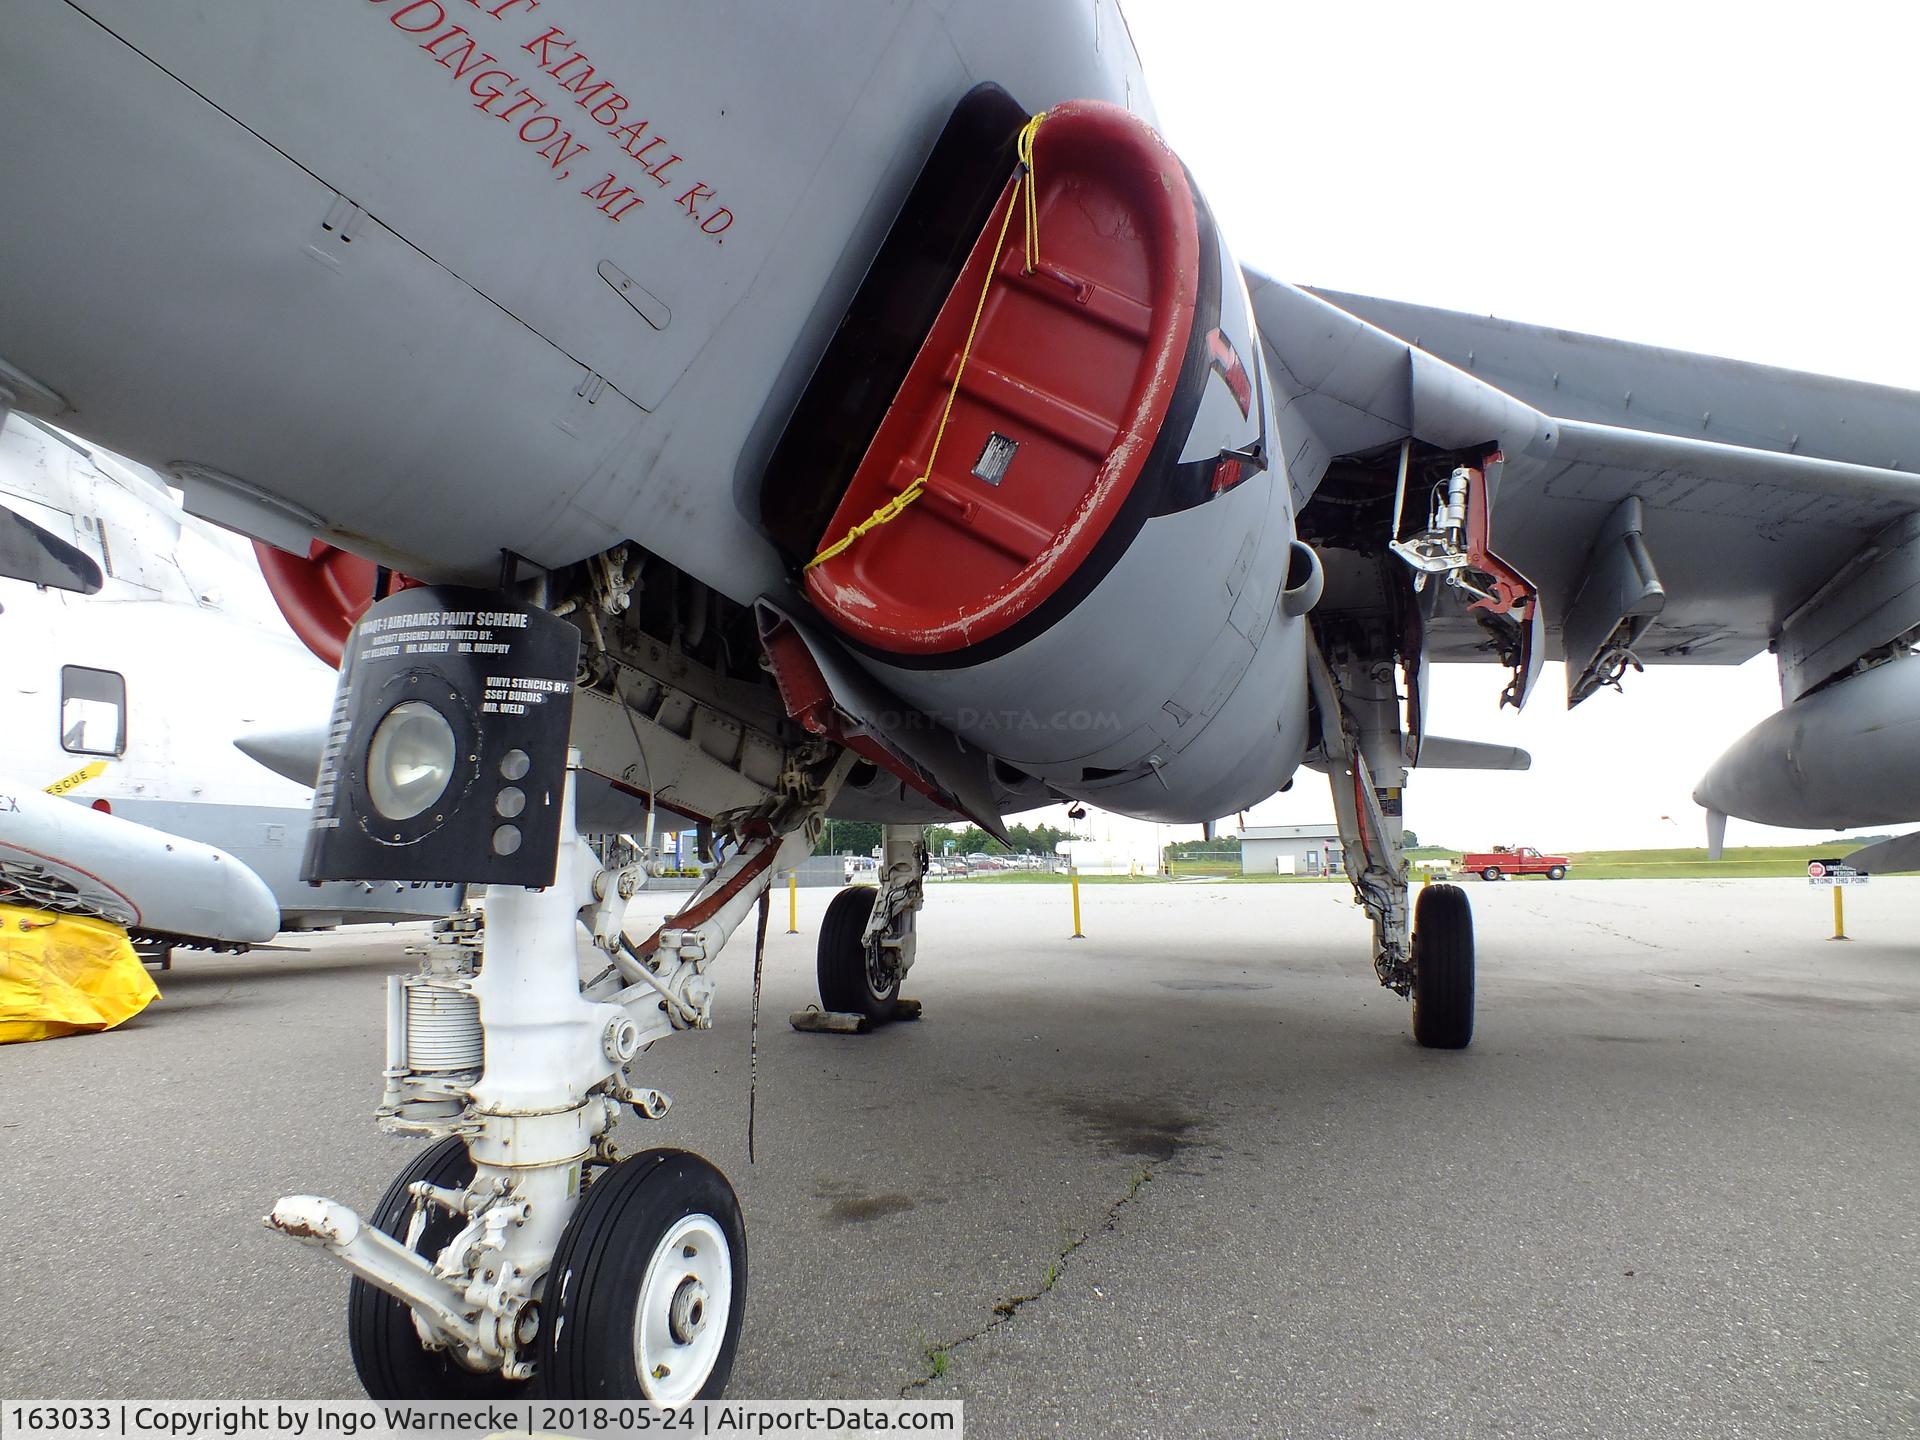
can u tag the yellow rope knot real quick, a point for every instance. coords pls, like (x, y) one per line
(1025, 192)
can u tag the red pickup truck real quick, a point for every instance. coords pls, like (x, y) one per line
(1505, 860)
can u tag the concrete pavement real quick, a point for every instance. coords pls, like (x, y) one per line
(1187, 1176)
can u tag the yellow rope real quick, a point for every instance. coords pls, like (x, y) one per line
(1023, 198)
(1031, 185)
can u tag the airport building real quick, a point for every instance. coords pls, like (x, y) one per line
(1290, 850)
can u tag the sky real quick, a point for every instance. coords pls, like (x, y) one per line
(1730, 179)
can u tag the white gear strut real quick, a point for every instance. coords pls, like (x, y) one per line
(902, 887)
(556, 1056)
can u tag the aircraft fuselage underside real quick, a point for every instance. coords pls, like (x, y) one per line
(603, 312)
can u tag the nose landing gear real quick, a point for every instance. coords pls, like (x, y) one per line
(386, 1346)
(516, 1249)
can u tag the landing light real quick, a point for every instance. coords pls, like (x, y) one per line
(410, 760)
(446, 758)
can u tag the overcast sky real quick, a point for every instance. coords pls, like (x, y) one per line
(1732, 179)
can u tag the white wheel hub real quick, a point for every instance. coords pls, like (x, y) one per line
(689, 1311)
(685, 1303)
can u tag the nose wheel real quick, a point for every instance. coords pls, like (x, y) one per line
(647, 1290)
(386, 1349)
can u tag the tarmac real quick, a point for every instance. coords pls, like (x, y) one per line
(1187, 1176)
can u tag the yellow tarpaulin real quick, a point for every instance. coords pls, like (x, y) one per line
(63, 974)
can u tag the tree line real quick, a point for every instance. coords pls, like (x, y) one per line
(862, 837)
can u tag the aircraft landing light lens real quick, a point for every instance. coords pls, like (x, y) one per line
(410, 762)
(506, 839)
(510, 802)
(514, 765)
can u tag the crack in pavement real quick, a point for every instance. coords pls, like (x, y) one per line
(1617, 934)
(1601, 925)
(1005, 1309)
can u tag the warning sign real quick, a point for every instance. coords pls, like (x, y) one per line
(1834, 872)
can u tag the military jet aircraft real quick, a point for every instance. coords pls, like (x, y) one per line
(773, 412)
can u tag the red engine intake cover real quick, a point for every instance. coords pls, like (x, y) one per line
(322, 593)
(1070, 379)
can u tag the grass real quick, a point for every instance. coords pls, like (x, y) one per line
(1189, 869)
(1737, 862)
(1741, 862)
(1338, 875)
(1042, 877)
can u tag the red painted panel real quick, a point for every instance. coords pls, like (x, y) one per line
(1075, 363)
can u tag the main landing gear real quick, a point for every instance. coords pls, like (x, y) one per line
(520, 1247)
(867, 938)
(1443, 968)
(1396, 592)
(1427, 955)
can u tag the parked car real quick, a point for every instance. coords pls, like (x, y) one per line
(1504, 860)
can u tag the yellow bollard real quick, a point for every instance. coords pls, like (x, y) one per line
(1839, 913)
(1073, 877)
(793, 902)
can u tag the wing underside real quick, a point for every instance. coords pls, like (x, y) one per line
(1747, 489)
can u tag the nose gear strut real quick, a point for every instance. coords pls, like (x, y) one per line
(499, 1041)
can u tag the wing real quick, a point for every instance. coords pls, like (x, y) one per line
(1756, 487)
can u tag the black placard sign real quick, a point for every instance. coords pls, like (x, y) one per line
(500, 676)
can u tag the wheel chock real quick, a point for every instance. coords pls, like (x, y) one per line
(816, 1021)
(829, 1022)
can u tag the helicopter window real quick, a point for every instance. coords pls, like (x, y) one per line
(93, 711)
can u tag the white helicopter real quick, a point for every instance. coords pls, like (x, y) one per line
(142, 644)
